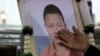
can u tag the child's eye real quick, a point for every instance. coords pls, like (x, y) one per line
(50, 26)
(60, 25)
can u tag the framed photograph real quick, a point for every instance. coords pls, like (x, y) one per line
(47, 17)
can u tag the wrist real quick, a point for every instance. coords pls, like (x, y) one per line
(84, 51)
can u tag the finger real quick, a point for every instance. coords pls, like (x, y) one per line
(60, 31)
(63, 44)
(68, 32)
(78, 35)
(66, 44)
(66, 36)
(63, 37)
(75, 37)
(77, 32)
(64, 31)
(71, 45)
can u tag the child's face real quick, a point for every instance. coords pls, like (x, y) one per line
(54, 23)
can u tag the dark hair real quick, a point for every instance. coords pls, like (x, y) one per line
(50, 9)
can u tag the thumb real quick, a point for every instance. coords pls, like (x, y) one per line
(76, 31)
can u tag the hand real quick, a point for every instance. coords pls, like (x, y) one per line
(76, 40)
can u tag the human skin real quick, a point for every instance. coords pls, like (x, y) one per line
(77, 40)
(54, 22)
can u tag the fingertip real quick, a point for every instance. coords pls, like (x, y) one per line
(60, 31)
(74, 28)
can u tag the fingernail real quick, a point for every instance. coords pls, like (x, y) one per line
(74, 27)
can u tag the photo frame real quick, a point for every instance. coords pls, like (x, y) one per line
(31, 12)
